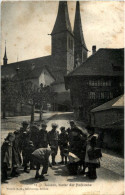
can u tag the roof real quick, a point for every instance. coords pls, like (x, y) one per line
(62, 21)
(78, 33)
(114, 103)
(105, 62)
(32, 68)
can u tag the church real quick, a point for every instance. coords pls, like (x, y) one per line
(68, 50)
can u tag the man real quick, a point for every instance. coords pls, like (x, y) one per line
(53, 136)
(63, 143)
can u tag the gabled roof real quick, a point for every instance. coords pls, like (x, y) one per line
(32, 68)
(37, 63)
(103, 63)
(114, 103)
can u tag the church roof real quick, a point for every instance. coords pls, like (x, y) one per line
(62, 21)
(31, 68)
(105, 62)
(78, 32)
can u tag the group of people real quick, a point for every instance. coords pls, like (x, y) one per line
(23, 148)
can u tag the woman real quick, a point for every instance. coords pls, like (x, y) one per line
(90, 160)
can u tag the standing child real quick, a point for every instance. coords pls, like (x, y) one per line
(63, 144)
(6, 155)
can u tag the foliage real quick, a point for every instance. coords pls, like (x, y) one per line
(22, 91)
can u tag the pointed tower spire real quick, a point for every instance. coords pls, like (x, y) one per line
(80, 46)
(5, 56)
(62, 21)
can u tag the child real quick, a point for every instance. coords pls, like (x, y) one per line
(63, 143)
(6, 155)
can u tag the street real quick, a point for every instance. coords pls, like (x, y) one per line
(110, 176)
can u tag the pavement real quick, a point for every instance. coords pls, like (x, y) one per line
(110, 179)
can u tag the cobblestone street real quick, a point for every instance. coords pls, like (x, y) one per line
(110, 175)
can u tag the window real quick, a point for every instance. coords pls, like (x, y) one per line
(107, 95)
(103, 83)
(92, 83)
(96, 83)
(111, 95)
(99, 83)
(102, 95)
(92, 95)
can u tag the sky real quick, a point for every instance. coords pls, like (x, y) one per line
(26, 25)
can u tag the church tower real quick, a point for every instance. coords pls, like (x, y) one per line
(80, 49)
(5, 57)
(63, 41)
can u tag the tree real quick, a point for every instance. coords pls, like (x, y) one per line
(20, 90)
(43, 97)
(7, 94)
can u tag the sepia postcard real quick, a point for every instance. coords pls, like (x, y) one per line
(62, 97)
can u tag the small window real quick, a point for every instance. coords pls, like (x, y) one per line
(96, 84)
(104, 84)
(111, 95)
(102, 95)
(92, 95)
(92, 84)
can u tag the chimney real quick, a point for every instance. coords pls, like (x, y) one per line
(93, 49)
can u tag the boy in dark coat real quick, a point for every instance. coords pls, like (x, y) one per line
(63, 144)
(53, 136)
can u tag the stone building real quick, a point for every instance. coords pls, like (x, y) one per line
(108, 119)
(50, 70)
(99, 79)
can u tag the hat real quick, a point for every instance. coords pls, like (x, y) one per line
(16, 132)
(44, 125)
(62, 128)
(25, 123)
(10, 135)
(34, 127)
(71, 122)
(54, 125)
(31, 143)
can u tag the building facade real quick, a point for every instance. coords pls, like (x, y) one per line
(99, 79)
